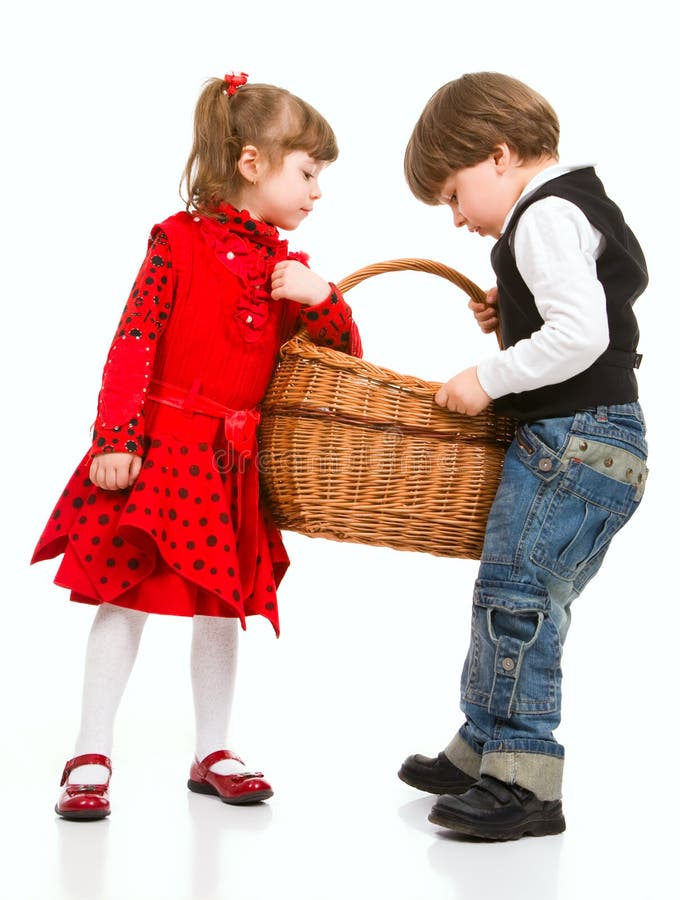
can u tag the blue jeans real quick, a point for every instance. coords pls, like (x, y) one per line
(568, 485)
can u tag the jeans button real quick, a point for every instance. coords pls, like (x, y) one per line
(545, 464)
(583, 445)
(508, 664)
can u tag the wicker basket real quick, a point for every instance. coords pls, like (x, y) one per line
(353, 452)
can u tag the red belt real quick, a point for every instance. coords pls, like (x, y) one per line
(240, 425)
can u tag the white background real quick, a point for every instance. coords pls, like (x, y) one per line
(97, 107)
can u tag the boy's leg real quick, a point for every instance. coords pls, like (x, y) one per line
(568, 486)
(498, 596)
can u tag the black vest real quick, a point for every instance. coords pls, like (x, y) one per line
(622, 271)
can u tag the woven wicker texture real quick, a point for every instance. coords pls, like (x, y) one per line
(354, 452)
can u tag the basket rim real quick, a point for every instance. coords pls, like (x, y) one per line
(302, 345)
(414, 264)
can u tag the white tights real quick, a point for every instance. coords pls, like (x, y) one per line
(111, 653)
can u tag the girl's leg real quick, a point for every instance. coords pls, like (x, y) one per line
(111, 653)
(214, 658)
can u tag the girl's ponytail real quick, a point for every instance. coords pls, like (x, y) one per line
(213, 162)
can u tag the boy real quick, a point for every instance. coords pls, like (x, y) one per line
(568, 271)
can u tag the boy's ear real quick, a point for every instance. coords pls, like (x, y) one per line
(249, 163)
(502, 157)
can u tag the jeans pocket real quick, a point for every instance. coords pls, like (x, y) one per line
(595, 497)
(513, 662)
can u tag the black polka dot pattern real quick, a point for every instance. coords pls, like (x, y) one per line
(189, 537)
(119, 547)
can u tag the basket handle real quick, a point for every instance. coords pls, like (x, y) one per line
(473, 291)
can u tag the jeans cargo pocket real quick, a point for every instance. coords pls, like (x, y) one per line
(514, 657)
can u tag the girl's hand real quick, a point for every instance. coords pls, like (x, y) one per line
(463, 394)
(291, 280)
(487, 316)
(115, 471)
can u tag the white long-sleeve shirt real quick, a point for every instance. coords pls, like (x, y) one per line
(555, 249)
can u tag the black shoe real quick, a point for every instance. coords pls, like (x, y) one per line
(498, 812)
(437, 776)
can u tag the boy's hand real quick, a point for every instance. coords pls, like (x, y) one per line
(291, 280)
(463, 394)
(115, 471)
(487, 316)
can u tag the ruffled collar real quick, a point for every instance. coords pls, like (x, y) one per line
(239, 221)
(249, 249)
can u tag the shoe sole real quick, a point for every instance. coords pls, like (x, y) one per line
(255, 797)
(431, 788)
(82, 816)
(532, 828)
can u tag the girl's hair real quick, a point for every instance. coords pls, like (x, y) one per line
(270, 118)
(466, 119)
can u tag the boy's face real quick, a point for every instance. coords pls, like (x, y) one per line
(481, 196)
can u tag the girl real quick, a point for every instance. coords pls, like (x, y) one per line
(163, 513)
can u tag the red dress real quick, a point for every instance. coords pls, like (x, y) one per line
(192, 357)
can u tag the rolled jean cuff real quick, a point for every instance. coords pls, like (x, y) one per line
(537, 770)
(461, 754)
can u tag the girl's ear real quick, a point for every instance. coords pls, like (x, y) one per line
(249, 163)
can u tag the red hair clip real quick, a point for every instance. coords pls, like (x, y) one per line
(234, 80)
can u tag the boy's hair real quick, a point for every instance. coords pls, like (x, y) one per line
(466, 119)
(270, 118)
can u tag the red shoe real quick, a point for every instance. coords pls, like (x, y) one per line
(84, 801)
(240, 788)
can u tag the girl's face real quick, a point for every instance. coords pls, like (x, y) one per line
(285, 196)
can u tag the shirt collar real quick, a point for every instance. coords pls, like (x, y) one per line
(547, 174)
